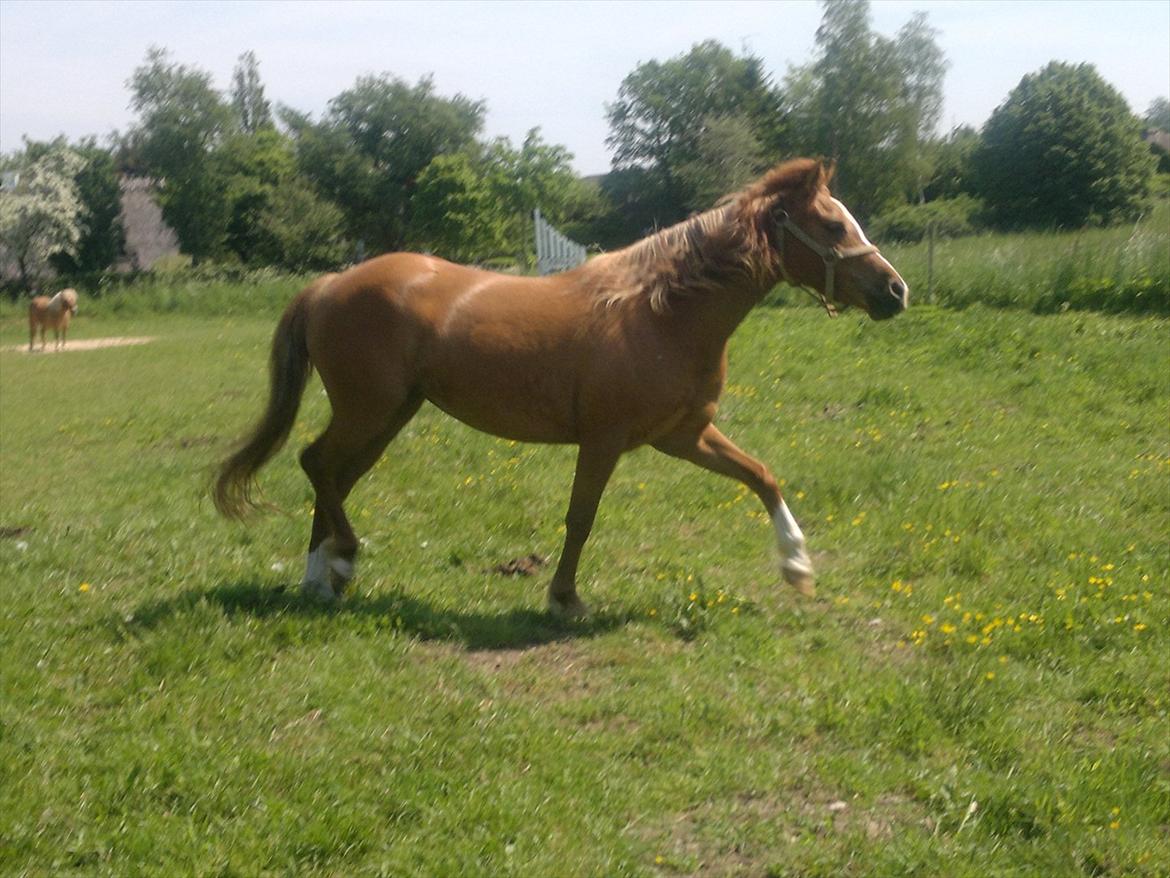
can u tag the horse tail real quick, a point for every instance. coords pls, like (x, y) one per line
(289, 367)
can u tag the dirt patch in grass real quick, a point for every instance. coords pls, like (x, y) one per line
(750, 831)
(529, 565)
(561, 671)
(87, 344)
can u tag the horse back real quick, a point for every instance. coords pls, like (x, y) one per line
(38, 309)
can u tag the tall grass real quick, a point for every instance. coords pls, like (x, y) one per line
(1114, 270)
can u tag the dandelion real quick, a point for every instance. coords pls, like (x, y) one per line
(1140, 626)
(84, 587)
(990, 675)
(947, 628)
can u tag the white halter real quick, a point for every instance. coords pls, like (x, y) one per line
(830, 256)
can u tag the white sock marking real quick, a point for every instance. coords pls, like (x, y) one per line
(791, 540)
(316, 581)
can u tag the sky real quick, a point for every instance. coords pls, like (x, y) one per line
(64, 65)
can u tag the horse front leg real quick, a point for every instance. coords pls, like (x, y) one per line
(595, 464)
(713, 451)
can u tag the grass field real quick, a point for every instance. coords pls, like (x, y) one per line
(980, 688)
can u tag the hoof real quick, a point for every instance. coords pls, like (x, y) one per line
(799, 577)
(318, 591)
(339, 568)
(567, 608)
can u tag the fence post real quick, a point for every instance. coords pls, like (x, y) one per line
(930, 263)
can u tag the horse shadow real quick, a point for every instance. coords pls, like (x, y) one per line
(393, 610)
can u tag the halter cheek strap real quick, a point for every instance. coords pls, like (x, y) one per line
(830, 256)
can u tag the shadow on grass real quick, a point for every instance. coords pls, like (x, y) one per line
(513, 629)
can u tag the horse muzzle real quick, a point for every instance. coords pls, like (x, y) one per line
(890, 300)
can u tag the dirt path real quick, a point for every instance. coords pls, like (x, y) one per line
(87, 344)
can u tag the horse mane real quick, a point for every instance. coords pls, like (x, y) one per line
(68, 296)
(731, 243)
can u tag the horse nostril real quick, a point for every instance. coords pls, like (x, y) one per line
(898, 290)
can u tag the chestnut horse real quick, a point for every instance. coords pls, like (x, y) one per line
(628, 349)
(52, 313)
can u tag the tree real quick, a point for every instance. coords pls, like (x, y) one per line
(1062, 150)
(454, 213)
(252, 167)
(537, 175)
(252, 108)
(366, 155)
(664, 108)
(102, 239)
(183, 120)
(728, 154)
(299, 231)
(1158, 114)
(41, 216)
(869, 103)
(949, 159)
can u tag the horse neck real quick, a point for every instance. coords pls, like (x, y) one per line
(707, 322)
(731, 281)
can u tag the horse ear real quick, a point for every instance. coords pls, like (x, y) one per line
(828, 171)
(818, 177)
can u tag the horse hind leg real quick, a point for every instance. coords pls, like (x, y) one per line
(342, 454)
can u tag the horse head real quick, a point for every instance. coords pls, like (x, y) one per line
(819, 245)
(69, 297)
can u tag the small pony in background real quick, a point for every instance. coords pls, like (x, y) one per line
(45, 313)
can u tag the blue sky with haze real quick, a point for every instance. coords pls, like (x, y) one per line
(64, 65)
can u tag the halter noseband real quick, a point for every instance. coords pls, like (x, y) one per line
(830, 256)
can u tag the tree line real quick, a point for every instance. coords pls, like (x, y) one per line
(393, 165)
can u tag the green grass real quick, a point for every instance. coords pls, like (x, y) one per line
(170, 706)
(1120, 269)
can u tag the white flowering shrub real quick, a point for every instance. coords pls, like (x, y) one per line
(41, 214)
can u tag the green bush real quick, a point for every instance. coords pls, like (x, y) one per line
(951, 218)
